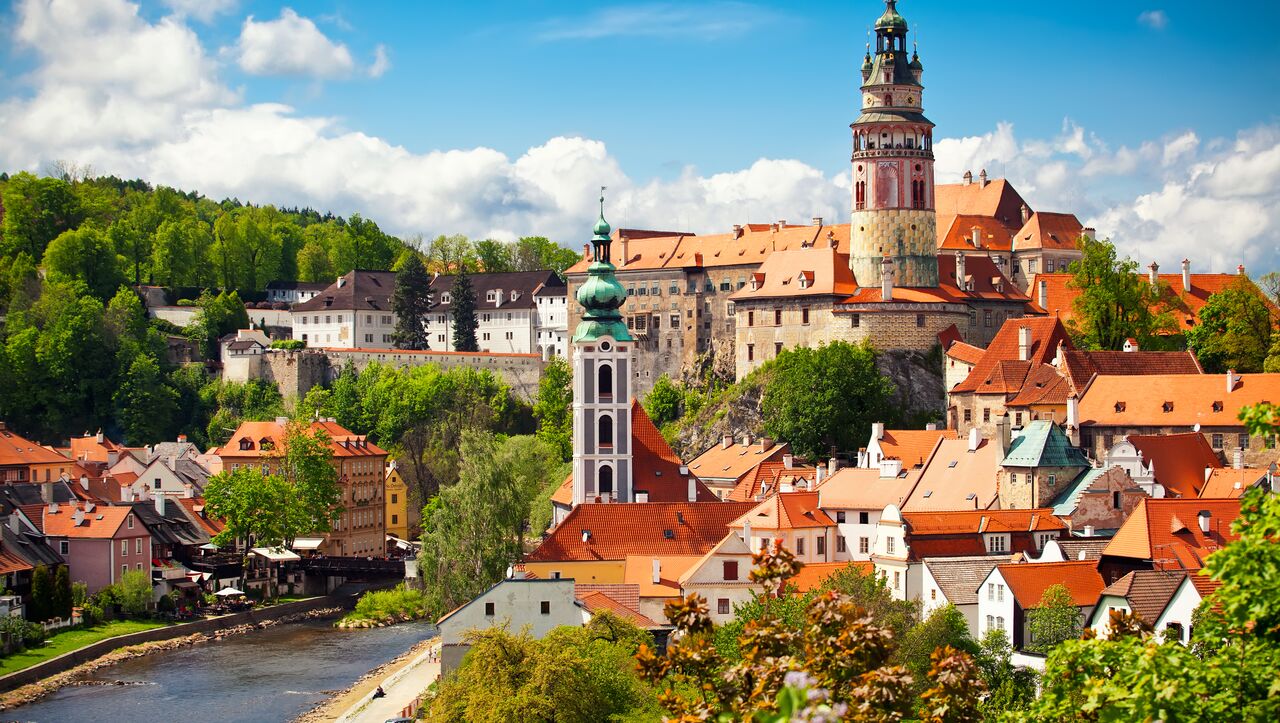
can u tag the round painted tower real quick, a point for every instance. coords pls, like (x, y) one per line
(893, 206)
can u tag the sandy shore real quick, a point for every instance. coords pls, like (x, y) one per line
(332, 709)
(75, 676)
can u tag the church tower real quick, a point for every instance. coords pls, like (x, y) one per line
(602, 470)
(893, 203)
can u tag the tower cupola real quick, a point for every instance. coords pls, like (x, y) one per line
(601, 295)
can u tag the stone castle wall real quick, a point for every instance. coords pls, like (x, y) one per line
(910, 236)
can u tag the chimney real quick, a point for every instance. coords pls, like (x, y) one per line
(788, 461)
(99, 436)
(78, 516)
(886, 279)
(877, 430)
(1073, 417)
(746, 533)
(1154, 276)
(46, 492)
(1002, 431)
(817, 220)
(1089, 232)
(342, 281)
(623, 242)
(1186, 275)
(818, 469)
(1232, 379)
(160, 503)
(586, 252)
(975, 438)
(15, 525)
(737, 231)
(746, 440)
(1088, 530)
(1237, 459)
(188, 490)
(282, 421)
(960, 273)
(1024, 343)
(968, 178)
(182, 439)
(931, 427)
(782, 223)
(975, 235)
(693, 489)
(726, 441)
(1044, 294)
(982, 178)
(890, 467)
(765, 443)
(84, 482)
(657, 571)
(1240, 270)
(1026, 213)
(1204, 517)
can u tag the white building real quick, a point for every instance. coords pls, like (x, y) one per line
(509, 313)
(551, 330)
(1011, 590)
(855, 498)
(293, 292)
(354, 312)
(1164, 599)
(722, 577)
(538, 605)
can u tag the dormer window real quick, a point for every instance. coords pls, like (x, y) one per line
(1119, 406)
(246, 444)
(491, 296)
(1217, 406)
(446, 298)
(1168, 407)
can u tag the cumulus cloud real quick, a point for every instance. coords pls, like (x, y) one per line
(381, 63)
(698, 21)
(139, 98)
(291, 45)
(1154, 19)
(203, 10)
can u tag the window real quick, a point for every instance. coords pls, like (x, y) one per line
(991, 596)
(856, 320)
(124, 569)
(777, 348)
(864, 545)
(889, 545)
(726, 284)
(804, 315)
(546, 607)
(675, 321)
(822, 546)
(605, 485)
(124, 548)
(799, 545)
(986, 318)
(673, 289)
(864, 518)
(840, 544)
(731, 569)
(933, 594)
(991, 622)
(1017, 419)
(751, 352)
(986, 416)
(722, 606)
(139, 565)
(137, 545)
(1242, 440)
(339, 318)
(1000, 622)
(1031, 266)
(394, 498)
(368, 318)
(64, 548)
(1053, 479)
(606, 431)
(129, 521)
(777, 317)
(1217, 441)
(999, 593)
(1115, 500)
(897, 579)
(488, 610)
(919, 320)
(1048, 265)
(968, 415)
(604, 379)
(1173, 631)
(368, 338)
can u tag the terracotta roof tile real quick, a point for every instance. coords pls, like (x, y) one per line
(984, 281)
(621, 593)
(195, 509)
(766, 478)
(619, 530)
(101, 522)
(1148, 591)
(786, 511)
(735, 460)
(597, 601)
(993, 235)
(18, 450)
(813, 574)
(979, 521)
(1173, 400)
(1043, 385)
(966, 353)
(1029, 580)
(817, 271)
(955, 478)
(1061, 294)
(1082, 366)
(912, 446)
(655, 468)
(267, 439)
(1167, 532)
(1046, 335)
(1229, 483)
(1055, 231)
(756, 242)
(638, 570)
(997, 199)
(1179, 460)
(854, 488)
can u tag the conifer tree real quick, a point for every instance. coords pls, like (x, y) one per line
(464, 313)
(38, 607)
(62, 596)
(410, 302)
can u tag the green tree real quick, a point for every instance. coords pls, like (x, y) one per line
(135, 591)
(1055, 619)
(147, 406)
(218, 315)
(495, 256)
(181, 248)
(134, 246)
(464, 313)
(36, 211)
(40, 606)
(85, 255)
(536, 253)
(450, 254)
(663, 401)
(1115, 301)
(944, 627)
(308, 469)
(869, 591)
(410, 302)
(826, 397)
(251, 505)
(62, 593)
(1234, 331)
(1011, 689)
(552, 408)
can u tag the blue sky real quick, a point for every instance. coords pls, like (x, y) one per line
(498, 117)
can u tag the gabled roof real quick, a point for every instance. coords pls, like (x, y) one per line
(1054, 231)
(595, 602)
(817, 271)
(655, 468)
(994, 235)
(955, 478)
(102, 522)
(195, 509)
(981, 521)
(619, 530)
(1148, 592)
(1029, 580)
(996, 199)
(1081, 366)
(984, 282)
(959, 577)
(786, 511)
(1230, 483)
(1179, 460)
(912, 446)
(750, 248)
(524, 283)
(355, 290)
(855, 488)
(638, 570)
(30, 547)
(1167, 532)
(967, 353)
(767, 478)
(1046, 334)
(813, 575)
(1068, 501)
(1186, 305)
(18, 450)
(1043, 444)
(1174, 400)
(1042, 385)
(733, 461)
(1091, 548)
(267, 439)
(171, 528)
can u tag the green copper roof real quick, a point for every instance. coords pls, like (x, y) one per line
(1069, 500)
(891, 18)
(601, 295)
(1043, 444)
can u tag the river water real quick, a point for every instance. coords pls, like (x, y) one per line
(268, 675)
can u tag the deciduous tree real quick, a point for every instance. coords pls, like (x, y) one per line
(1115, 301)
(1055, 619)
(1234, 330)
(552, 408)
(146, 406)
(84, 255)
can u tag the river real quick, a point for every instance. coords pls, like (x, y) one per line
(268, 675)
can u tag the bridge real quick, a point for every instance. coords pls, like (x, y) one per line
(351, 566)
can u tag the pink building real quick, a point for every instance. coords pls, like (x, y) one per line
(99, 543)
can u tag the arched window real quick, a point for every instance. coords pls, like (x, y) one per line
(605, 381)
(860, 195)
(606, 431)
(605, 485)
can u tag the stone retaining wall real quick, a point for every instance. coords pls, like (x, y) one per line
(69, 660)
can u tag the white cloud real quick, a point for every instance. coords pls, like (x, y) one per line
(381, 63)
(1154, 19)
(136, 98)
(702, 21)
(202, 10)
(290, 45)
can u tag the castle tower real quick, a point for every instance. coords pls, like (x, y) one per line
(893, 204)
(602, 383)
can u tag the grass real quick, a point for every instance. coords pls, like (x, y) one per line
(68, 640)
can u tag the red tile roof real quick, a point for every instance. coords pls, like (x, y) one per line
(997, 199)
(980, 521)
(1082, 366)
(1061, 294)
(984, 282)
(1054, 231)
(1180, 460)
(1043, 385)
(767, 478)
(1029, 580)
(813, 574)
(735, 460)
(619, 530)
(1174, 400)
(100, 523)
(817, 271)
(751, 248)
(786, 511)
(966, 353)
(655, 468)
(1231, 483)
(195, 509)
(16, 450)
(993, 235)
(912, 446)
(12, 563)
(1167, 532)
(1046, 334)
(595, 602)
(267, 439)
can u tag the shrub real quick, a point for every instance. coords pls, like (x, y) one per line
(381, 606)
(288, 344)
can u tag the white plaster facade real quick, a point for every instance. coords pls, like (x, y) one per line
(722, 578)
(1125, 455)
(538, 605)
(995, 606)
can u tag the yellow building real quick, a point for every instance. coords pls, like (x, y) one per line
(400, 517)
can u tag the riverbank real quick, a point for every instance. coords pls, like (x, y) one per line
(41, 688)
(337, 705)
(67, 640)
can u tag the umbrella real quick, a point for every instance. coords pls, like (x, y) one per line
(228, 592)
(209, 546)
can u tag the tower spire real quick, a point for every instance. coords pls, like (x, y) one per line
(601, 295)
